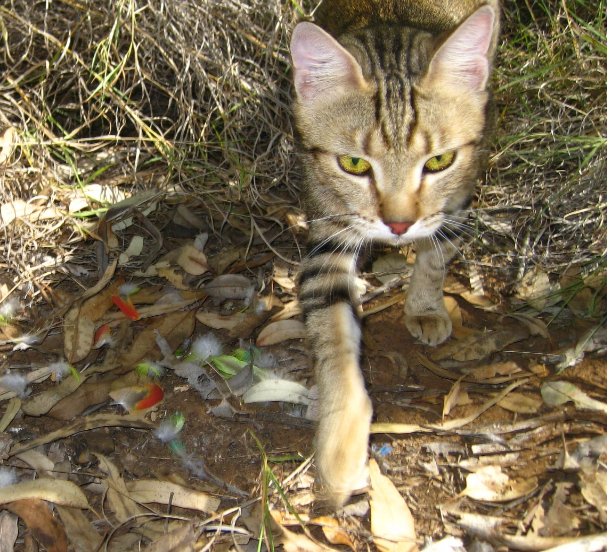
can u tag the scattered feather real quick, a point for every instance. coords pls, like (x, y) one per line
(16, 383)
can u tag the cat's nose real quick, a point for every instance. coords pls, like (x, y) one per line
(399, 228)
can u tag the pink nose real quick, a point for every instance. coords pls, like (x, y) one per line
(399, 228)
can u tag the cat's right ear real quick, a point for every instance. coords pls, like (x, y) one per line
(320, 64)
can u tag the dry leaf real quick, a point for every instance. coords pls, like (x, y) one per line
(135, 247)
(7, 141)
(451, 398)
(535, 289)
(81, 532)
(117, 495)
(78, 335)
(9, 531)
(175, 328)
(555, 393)
(229, 286)
(388, 266)
(490, 484)
(164, 492)
(57, 491)
(43, 402)
(294, 542)
(279, 331)
(333, 532)
(520, 403)
(181, 539)
(281, 390)
(88, 394)
(39, 519)
(221, 321)
(392, 524)
(192, 261)
(479, 346)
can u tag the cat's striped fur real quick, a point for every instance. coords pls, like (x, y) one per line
(393, 112)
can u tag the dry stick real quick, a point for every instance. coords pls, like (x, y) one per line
(450, 425)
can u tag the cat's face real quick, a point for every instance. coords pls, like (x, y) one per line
(392, 141)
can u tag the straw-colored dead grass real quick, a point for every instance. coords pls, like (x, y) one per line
(195, 97)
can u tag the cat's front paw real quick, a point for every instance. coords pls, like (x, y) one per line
(341, 452)
(430, 328)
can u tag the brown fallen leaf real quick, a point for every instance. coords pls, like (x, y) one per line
(174, 328)
(192, 261)
(279, 331)
(491, 484)
(88, 394)
(295, 542)
(480, 346)
(39, 519)
(221, 321)
(334, 533)
(80, 531)
(78, 335)
(229, 286)
(117, 495)
(521, 403)
(450, 399)
(165, 492)
(52, 490)
(9, 531)
(392, 523)
(84, 423)
(182, 539)
(43, 402)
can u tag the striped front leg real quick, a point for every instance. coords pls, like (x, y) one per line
(329, 295)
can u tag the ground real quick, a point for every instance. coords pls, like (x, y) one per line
(440, 419)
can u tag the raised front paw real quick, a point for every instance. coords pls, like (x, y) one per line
(341, 452)
(430, 328)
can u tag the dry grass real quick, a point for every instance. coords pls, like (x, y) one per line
(194, 97)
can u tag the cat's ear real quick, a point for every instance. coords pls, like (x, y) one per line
(321, 64)
(463, 59)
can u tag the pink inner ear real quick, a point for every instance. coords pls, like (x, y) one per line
(320, 63)
(463, 58)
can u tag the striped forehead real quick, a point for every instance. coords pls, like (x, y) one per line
(395, 58)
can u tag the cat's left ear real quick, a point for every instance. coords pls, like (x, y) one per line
(463, 59)
(320, 64)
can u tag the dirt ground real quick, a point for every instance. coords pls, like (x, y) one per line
(226, 454)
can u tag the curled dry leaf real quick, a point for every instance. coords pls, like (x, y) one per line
(135, 247)
(392, 523)
(521, 403)
(281, 330)
(7, 141)
(220, 321)
(165, 492)
(490, 484)
(40, 520)
(480, 346)
(43, 402)
(56, 491)
(229, 286)
(192, 261)
(278, 390)
(559, 392)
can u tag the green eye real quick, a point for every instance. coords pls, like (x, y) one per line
(440, 162)
(354, 165)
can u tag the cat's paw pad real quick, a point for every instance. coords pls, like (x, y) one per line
(431, 329)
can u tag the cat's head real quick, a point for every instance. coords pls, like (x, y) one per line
(393, 124)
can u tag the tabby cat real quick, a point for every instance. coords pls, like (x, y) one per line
(393, 112)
